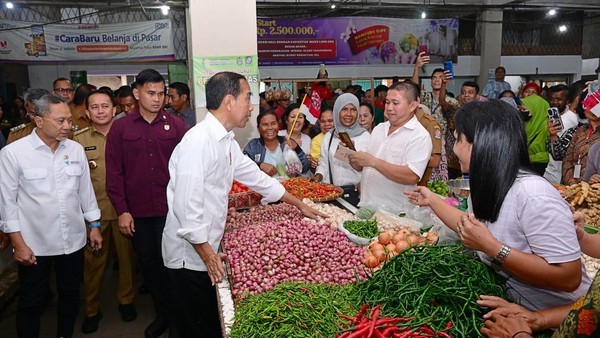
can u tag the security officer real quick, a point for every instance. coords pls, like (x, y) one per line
(435, 131)
(101, 107)
(25, 129)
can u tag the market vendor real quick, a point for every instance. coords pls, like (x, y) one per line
(520, 225)
(397, 154)
(332, 170)
(202, 169)
(267, 150)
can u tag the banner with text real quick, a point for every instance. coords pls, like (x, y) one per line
(206, 67)
(135, 41)
(355, 40)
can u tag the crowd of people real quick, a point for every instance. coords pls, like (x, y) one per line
(94, 168)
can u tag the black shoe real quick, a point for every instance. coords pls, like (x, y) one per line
(144, 290)
(90, 324)
(128, 312)
(156, 328)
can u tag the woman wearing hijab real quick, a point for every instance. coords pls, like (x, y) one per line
(332, 170)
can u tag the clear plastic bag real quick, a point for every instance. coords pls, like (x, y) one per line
(293, 166)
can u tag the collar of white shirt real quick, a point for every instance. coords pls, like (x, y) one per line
(216, 126)
(37, 142)
(411, 124)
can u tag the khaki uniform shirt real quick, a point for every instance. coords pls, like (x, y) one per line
(94, 144)
(80, 120)
(20, 131)
(434, 130)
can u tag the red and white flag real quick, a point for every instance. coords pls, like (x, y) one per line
(307, 108)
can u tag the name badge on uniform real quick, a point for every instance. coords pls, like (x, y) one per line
(90, 148)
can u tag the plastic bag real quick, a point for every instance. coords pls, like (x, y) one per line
(293, 166)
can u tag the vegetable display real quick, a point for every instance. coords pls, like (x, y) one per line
(434, 285)
(335, 214)
(303, 188)
(262, 255)
(295, 310)
(362, 228)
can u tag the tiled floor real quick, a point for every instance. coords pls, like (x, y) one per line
(111, 325)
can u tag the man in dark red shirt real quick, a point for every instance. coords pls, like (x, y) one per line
(138, 148)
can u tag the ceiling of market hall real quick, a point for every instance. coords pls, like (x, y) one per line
(323, 8)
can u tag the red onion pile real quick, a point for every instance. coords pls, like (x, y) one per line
(262, 214)
(268, 252)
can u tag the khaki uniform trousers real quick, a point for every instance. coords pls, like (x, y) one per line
(95, 264)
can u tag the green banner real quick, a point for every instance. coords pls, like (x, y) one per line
(206, 67)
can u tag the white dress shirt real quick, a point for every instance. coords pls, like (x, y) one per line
(46, 196)
(342, 172)
(202, 168)
(409, 145)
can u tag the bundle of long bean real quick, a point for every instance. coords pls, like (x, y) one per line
(435, 285)
(295, 310)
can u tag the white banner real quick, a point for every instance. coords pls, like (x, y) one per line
(143, 41)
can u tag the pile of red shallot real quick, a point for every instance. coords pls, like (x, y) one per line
(264, 251)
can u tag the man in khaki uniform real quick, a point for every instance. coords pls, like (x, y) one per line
(25, 129)
(101, 108)
(435, 131)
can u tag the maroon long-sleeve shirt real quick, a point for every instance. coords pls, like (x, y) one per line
(137, 159)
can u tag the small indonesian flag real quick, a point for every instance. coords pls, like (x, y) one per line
(307, 108)
(592, 102)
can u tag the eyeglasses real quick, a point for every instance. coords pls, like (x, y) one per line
(63, 90)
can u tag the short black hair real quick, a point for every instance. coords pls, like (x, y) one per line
(498, 68)
(408, 87)
(416, 86)
(221, 85)
(148, 76)
(60, 79)
(82, 92)
(123, 92)
(370, 107)
(471, 84)
(181, 88)
(560, 88)
(103, 90)
(437, 70)
(506, 91)
(380, 88)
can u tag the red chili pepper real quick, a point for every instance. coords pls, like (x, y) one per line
(361, 312)
(378, 334)
(359, 333)
(374, 316)
(345, 335)
(405, 334)
(448, 326)
(351, 319)
(390, 330)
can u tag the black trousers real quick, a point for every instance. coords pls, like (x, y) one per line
(195, 303)
(33, 292)
(146, 241)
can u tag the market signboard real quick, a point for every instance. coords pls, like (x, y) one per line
(135, 41)
(355, 41)
(206, 67)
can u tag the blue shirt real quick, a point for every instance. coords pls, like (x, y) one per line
(493, 89)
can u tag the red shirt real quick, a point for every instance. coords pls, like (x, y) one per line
(137, 159)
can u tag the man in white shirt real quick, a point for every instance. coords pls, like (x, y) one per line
(560, 98)
(46, 195)
(202, 168)
(398, 152)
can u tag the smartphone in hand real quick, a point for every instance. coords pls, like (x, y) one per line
(344, 137)
(424, 49)
(450, 68)
(554, 117)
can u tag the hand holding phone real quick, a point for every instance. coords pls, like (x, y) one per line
(344, 137)
(554, 117)
(450, 68)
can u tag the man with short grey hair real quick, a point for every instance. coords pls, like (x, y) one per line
(46, 195)
(22, 130)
